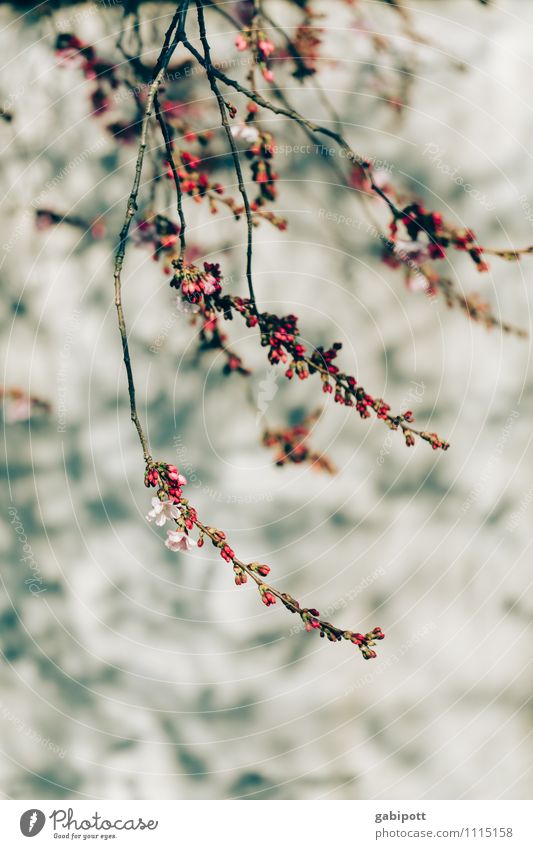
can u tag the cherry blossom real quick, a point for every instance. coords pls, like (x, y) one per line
(161, 511)
(179, 541)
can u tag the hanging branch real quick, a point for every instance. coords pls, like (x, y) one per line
(170, 503)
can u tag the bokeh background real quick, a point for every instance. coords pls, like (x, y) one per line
(134, 672)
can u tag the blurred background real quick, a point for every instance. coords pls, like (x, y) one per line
(130, 671)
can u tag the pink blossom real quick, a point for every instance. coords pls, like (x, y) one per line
(17, 410)
(266, 47)
(179, 541)
(161, 511)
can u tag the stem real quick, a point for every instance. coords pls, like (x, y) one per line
(211, 75)
(170, 156)
(170, 43)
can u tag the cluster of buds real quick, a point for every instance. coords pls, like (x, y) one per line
(291, 445)
(219, 539)
(160, 233)
(197, 184)
(260, 568)
(310, 618)
(363, 174)
(305, 45)
(193, 181)
(281, 336)
(267, 596)
(241, 576)
(213, 338)
(254, 39)
(437, 234)
(167, 478)
(18, 406)
(196, 284)
(45, 218)
(364, 642)
(73, 51)
(260, 153)
(176, 113)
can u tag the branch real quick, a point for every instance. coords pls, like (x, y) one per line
(210, 70)
(174, 35)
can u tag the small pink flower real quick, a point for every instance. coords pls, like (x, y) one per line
(17, 410)
(179, 541)
(268, 75)
(210, 284)
(241, 43)
(266, 47)
(161, 511)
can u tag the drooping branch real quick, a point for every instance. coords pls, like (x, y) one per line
(174, 35)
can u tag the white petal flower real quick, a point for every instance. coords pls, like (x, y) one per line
(244, 132)
(179, 541)
(161, 511)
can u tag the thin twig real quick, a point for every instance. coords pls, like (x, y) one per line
(211, 74)
(170, 157)
(174, 35)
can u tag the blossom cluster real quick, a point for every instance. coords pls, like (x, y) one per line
(291, 445)
(195, 283)
(437, 235)
(168, 480)
(281, 335)
(260, 153)
(254, 39)
(104, 76)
